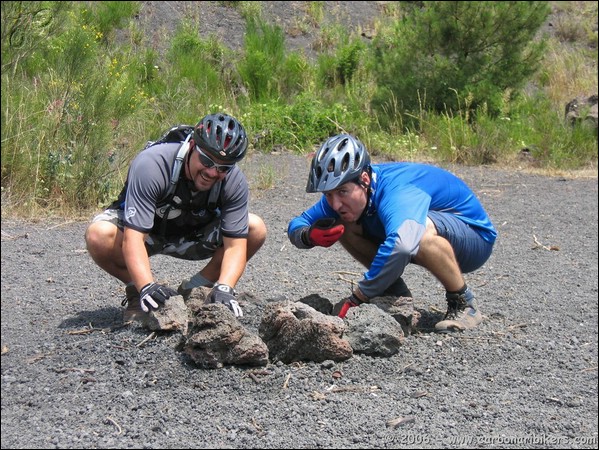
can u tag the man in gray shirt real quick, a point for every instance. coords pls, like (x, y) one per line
(206, 217)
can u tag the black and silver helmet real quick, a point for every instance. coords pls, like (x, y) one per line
(222, 136)
(340, 159)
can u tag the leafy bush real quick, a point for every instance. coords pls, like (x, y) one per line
(473, 48)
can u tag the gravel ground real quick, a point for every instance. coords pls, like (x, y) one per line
(74, 377)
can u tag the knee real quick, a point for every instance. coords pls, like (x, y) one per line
(432, 248)
(98, 236)
(257, 229)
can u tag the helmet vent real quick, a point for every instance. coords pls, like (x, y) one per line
(357, 160)
(345, 163)
(331, 166)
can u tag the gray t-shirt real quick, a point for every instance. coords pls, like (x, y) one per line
(147, 185)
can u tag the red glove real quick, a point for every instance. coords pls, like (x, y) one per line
(350, 302)
(324, 232)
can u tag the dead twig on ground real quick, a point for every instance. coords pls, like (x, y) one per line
(64, 224)
(91, 329)
(85, 331)
(74, 369)
(118, 427)
(317, 395)
(8, 237)
(37, 358)
(150, 336)
(545, 247)
(254, 374)
(256, 425)
(286, 383)
(343, 272)
(400, 421)
(336, 389)
(352, 282)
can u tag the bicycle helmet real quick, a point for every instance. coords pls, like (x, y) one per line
(222, 136)
(340, 159)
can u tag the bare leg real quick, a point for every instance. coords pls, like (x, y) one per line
(256, 238)
(360, 248)
(437, 256)
(104, 243)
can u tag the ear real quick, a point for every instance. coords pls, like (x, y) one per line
(365, 178)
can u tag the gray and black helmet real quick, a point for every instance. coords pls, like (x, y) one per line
(340, 159)
(222, 136)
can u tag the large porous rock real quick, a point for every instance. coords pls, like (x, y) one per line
(372, 331)
(401, 309)
(173, 316)
(294, 331)
(216, 338)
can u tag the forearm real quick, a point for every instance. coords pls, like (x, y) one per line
(234, 261)
(297, 238)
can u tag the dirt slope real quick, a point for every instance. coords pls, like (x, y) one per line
(159, 19)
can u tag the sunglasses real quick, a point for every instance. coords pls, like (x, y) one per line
(209, 163)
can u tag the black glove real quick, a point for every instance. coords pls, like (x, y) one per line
(323, 232)
(221, 293)
(153, 295)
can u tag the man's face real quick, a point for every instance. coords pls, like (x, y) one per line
(349, 199)
(205, 170)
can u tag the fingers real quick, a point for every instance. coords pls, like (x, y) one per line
(335, 232)
(236, 308)
(148, 300)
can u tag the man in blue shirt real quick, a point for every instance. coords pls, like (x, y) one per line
(389, 215)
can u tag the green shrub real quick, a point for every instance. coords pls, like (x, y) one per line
(264, 55)
(475, 48)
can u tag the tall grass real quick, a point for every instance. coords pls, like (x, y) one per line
(79, 100)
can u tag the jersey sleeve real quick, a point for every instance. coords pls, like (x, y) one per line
(235, 205)
(403, 228)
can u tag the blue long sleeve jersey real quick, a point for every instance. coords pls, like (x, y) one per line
(401, 196)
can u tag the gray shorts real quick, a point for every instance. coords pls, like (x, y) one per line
(203, 245)
(471, 250)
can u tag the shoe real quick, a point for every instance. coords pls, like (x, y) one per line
(398, 289)
(462, 313)
(131, 300)
(183, 290)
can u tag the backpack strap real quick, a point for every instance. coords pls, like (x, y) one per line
(176, 172)
(214, 196)
(177, 167)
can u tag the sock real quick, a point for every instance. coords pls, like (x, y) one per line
(198, 280)
(460, 292)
